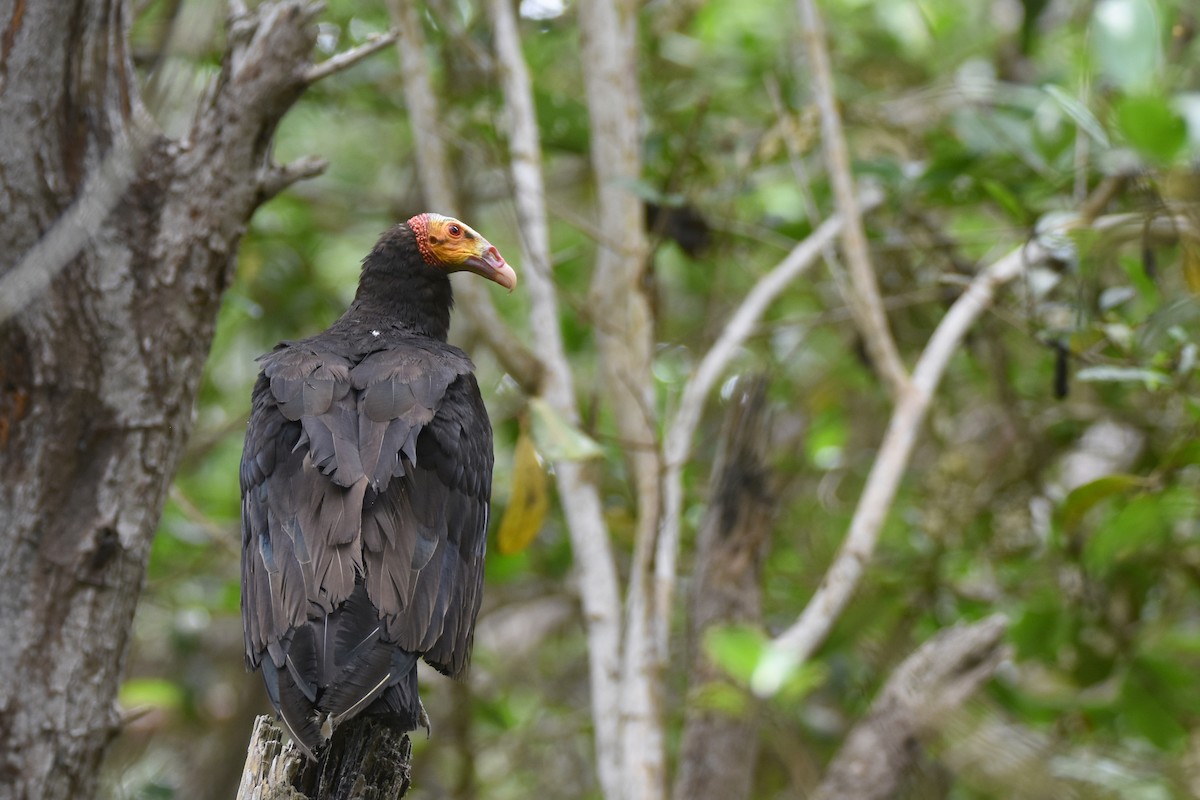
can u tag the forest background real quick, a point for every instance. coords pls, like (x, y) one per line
(1039, 462)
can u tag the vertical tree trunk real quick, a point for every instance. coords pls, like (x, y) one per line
(717, 753)
(117, 243)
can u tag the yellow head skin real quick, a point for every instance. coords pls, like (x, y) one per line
(452, 245)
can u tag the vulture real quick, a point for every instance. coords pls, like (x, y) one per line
(366, 478)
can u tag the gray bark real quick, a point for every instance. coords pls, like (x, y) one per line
(366, 760)
(623, 324)
(110, 318)
(717, 752)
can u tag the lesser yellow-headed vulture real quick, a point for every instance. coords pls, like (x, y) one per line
(366, 478)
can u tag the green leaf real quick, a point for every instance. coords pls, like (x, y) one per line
(1083, 499)
(1152, 126)
(736, 649)
(1042, 629)
(722, 698)
(1135, 527)
(1150, 377)
(1146, 713)
(1127, 43)
(1077, 111)
(1005, 198)
(1169, 673)
(826, 439)
(557, 439)
(156, 692)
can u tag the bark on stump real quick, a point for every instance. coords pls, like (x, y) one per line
(367, 760)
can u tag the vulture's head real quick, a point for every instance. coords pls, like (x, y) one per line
(453, 246)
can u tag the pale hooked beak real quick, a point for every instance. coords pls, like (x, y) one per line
(491, 265)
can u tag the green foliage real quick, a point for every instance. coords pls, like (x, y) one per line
(155, 692)
(1152, 126)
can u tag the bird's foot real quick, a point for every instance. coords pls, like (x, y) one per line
(423, 720)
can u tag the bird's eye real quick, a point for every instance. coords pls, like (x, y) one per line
(454, 230)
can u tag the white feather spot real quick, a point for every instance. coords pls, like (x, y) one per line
(374, 333)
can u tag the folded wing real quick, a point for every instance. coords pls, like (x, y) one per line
(365, 485)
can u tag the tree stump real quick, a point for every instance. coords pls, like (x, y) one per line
(366, 760)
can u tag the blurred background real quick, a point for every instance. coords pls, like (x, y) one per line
(1057, 479)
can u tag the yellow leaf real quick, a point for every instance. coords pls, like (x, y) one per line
(1191, 264)
(529, 501)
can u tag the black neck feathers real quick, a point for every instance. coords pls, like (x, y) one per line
(397, 287)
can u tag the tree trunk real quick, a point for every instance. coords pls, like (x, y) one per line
(717, 752)
(117, 244)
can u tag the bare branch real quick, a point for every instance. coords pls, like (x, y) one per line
(919, 697)
(798, 642)
(579, 495)
(274, 178)
(679, 438)
(865, 300)
(433, 166)
(346, 60)
(742, 324)
(481, 322)
(1104, 193)
(990, 750)
(254, 36)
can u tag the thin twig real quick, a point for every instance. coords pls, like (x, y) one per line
(343, 61)
(872, 321)
(741, 325)
(1108, 188)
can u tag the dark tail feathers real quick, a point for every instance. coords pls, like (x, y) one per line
(336, 668)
